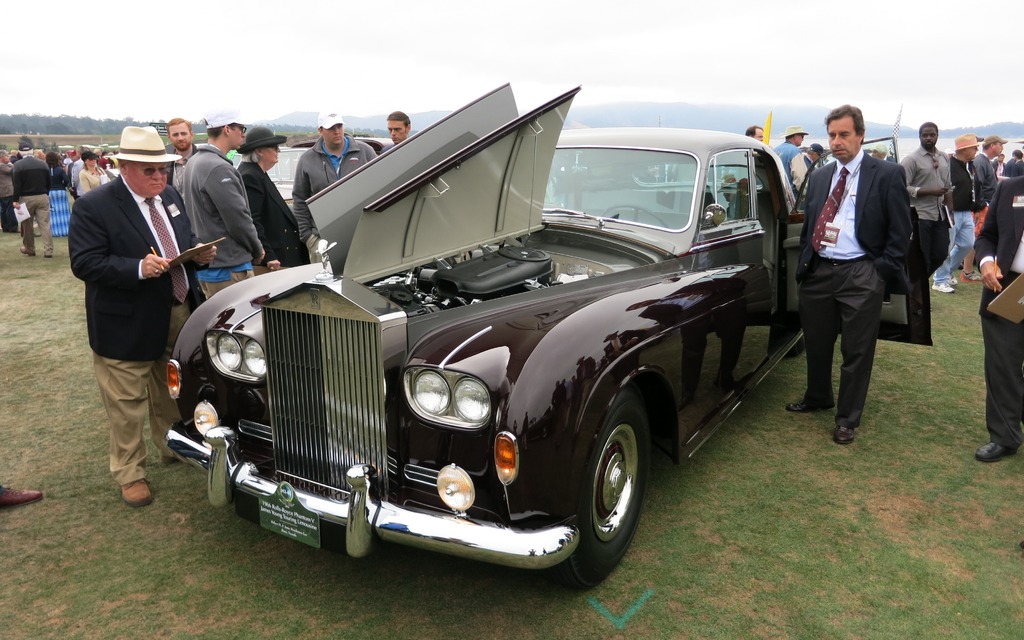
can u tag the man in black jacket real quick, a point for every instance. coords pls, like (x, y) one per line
(123, 237)
(853, 249)
(31, 179)
(1001, 261)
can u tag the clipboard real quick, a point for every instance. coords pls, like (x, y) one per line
(1010, 302)
(188, 254)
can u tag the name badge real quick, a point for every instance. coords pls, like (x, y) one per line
(831, 234)
(173, 210)
(1018, 201)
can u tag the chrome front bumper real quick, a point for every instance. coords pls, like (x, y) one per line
(366, 517)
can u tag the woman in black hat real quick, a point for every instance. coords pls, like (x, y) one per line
(274, 221)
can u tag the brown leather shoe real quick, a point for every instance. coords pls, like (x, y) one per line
(843, 435)
(18, 497)
(136, 494)
(27, 252)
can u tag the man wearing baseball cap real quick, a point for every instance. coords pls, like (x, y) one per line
(216, 203)
(335, 155)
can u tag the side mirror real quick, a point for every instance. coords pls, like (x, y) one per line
(714, 215)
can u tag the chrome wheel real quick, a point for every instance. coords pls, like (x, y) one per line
(614, 482)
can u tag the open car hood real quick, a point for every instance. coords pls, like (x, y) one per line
(337, 209)
(489, 190)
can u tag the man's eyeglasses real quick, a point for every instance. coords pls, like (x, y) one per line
(240, 127)
(149, 171)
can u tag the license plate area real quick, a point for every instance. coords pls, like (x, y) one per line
(283, 513)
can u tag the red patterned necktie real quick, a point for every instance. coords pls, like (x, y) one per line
(829, 211)
(178, 278)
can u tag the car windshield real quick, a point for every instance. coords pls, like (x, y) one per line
(647, 187)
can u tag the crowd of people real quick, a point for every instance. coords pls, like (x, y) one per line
(171, 198)
(853, 250)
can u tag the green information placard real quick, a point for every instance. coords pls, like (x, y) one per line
(284, 514)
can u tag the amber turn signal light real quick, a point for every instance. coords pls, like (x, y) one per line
(506, 457)
(173, 379)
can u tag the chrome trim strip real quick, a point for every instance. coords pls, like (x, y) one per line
(421, 475)
(462, 346)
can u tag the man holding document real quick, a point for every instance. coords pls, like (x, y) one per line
(124, 240)
(1000, 256)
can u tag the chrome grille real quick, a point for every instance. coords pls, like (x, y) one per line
(325, 377)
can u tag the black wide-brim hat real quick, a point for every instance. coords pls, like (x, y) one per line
(259, 137)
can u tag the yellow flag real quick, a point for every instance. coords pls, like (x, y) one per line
(768, 128)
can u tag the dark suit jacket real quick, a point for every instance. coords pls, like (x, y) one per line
(1000, 235)
(275, 222)
(128, 318)
(882, 219)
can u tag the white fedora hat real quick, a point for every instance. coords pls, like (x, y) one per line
(143, 144)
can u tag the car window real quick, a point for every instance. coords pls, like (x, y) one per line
(728, 184)
(648, 187)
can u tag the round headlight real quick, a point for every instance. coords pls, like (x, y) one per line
(229, 352)
(472, 400)
(205, 417)
(430, 390)
(255, 361)
(456, 488)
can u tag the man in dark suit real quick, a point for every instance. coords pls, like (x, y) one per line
(122, 238)
(853, 248)
(1001, 259)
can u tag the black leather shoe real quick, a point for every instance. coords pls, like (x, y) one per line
(992, 452)
(843, 435)
(803, 407)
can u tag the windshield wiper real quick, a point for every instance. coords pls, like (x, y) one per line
(582, 214)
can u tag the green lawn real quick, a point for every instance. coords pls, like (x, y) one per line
(771, 531)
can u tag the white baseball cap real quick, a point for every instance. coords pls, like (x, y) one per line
(222, 117)
(327, 119)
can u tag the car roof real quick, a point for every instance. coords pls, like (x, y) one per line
(698, 141)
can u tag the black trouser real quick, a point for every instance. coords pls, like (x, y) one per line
(847, 299)
(7, 220)
(934, 243)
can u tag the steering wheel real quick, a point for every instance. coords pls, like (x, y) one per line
(634, 214)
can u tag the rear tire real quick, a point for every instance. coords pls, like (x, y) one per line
(613, 494)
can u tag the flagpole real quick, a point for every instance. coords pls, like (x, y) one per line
(896, 135)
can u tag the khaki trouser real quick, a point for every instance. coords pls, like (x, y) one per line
(128, 389)
(39, 210)
(210, 288)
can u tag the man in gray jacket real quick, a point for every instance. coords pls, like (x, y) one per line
(217, 206)
(335, 155)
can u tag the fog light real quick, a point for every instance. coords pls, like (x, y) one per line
(506, 457)
(456, 488)
(205, 417)
(173, 379)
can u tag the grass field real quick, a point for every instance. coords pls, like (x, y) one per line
(771, 531)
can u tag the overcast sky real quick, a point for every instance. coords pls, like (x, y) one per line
(158, 60)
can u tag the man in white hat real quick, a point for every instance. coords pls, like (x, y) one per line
(791, 149)
(122, 238)
(335, 155)
(217, 205)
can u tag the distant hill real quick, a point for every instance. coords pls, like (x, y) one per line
(633, 114)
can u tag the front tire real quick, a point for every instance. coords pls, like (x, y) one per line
(613, 494)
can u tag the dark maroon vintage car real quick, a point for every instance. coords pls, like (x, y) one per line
(516, 319)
